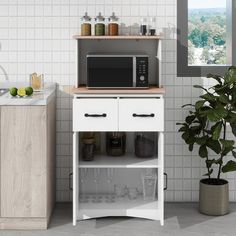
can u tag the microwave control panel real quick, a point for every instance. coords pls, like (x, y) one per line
(142, 72)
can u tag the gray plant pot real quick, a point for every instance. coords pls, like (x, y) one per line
(214, 197)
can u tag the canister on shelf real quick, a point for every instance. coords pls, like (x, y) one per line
(86, 25)
(99, 25)
(143, 26)
(113, 26)
(115, 143)
(88, 149)
(145, 144)
(152, 26)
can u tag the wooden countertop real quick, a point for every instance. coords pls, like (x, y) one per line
(84, 90)
(120, 37)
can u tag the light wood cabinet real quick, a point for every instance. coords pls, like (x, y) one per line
(27, 165)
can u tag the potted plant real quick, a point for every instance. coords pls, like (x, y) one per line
(206, 128)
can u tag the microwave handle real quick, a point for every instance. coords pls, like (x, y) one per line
(134, 71)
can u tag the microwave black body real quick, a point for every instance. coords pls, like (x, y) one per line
(117, 71)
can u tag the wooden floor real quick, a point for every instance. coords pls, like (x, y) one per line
(181, 219)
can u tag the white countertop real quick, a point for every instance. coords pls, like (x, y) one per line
(37, 99)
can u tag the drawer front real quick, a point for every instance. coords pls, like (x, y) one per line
(141, 114)
(95, 114)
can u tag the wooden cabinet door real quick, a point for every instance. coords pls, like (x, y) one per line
(23, 161)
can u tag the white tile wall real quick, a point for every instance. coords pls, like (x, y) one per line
(37, 36)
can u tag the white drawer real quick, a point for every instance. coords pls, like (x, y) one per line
(141, 114)
(95, 114)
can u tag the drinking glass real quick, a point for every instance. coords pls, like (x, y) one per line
(83, 174)
(149, 180)
(110, 196)
(96, 179)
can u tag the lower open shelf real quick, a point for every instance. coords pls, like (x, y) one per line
(121, 207)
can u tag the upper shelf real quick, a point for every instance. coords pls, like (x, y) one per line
(120, 37)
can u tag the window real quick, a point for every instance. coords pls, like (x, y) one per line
(205, 36)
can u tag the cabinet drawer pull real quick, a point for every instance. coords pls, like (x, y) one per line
(166, 177)
(143, 115)
(70, 185)
(95, 115)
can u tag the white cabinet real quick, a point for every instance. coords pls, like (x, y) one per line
(121, 114)
(128, 110)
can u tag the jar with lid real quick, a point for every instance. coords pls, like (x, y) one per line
(152, 26)
(99, 25)
(115, 143)
(145, 144)
(88, 149)
(86, 25)
(143, 26)
(113, 25)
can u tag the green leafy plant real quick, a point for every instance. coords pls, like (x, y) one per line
(208, 121)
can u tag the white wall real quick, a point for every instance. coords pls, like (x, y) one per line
(36, 35)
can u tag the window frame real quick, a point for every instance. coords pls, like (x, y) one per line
(183, 69)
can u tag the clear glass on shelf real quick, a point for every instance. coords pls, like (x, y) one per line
(83, 174)
(96, 179)
(110, 192)
(37, 82)
(149, 180)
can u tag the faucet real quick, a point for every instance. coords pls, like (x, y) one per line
(4, 73)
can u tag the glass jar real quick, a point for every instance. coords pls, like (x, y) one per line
(113, 26)
(115, 143)
(86, 25)
(88, 149)
(100, 25)
(37, 82)
(97, 139)
(143, 26)
(149, 180)
(145, 145)
(152, 26)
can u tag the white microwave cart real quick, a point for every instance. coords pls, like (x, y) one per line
(119, 107)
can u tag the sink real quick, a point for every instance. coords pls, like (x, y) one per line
(3, 91)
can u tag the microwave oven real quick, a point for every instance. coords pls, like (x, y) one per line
(117, 71)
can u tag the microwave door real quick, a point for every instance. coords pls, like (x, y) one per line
(110, 72)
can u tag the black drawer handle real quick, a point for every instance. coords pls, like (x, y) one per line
(95, 115)
(143, 115)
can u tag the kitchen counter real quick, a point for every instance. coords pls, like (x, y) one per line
(37, 99)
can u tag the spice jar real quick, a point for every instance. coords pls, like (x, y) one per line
(113, 26)
(88, 149)
(115, 143)
(86, 25)
(100, 25)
